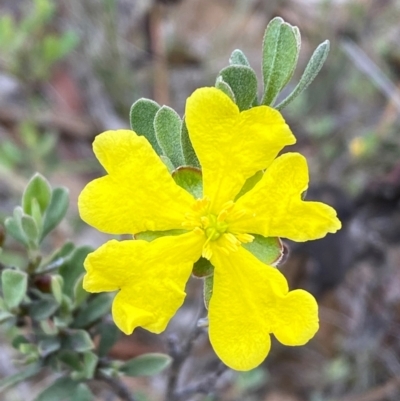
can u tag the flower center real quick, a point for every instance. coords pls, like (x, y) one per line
(215, 227)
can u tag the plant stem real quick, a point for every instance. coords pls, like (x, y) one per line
(117, 385)
(179, 355)
(205, 386)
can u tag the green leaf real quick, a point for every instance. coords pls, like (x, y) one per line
(70, 358)
(142, 115)
(202, 268)
(38, 188)
(168, 163)
(73, 269)
(208, 289)
(238, 58)
(56, 286)
(146, 365)
(14, 285)
(109, 334)
(95, 309)
(243, 82)
(62, 389)
(48, 345)
(314, 66)
(78, 341)
(43, 309)
(83, 393)
(14, 228)
(56, 210)
(187, 148)
(4, 316)
(90, 361)
(30, 229)
(190, 179)
(281, 47)
(152, 235)
(80, 294)
(167, 127)
(268, 250)
(224, 87)
(249, 184)
(16, 378)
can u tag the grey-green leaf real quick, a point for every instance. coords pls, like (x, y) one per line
(190, 179)
(56, 210)
(208, 289)
(141, 116)
(14, 228)
(224, 87)
(73, 269)
(30, 229)
(14, 285)
(281, 48)
(16, 378)
(109, 335)
(167, 127)
(96, 308)
(314, 66)
(38, 188)
(268, 250)
(237, 57)
(42, 309)
(78, 340)
(243, 82)
(187, 147)
(61, 390)
(146, 365)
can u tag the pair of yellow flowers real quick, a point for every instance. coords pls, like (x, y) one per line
(250, 300)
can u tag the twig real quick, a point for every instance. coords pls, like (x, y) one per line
(179, 355)
(205, 386)
(117, 385)
(378, 393)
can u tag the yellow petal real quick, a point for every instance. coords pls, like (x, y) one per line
(241, 310)
(151, 277)
(273, 208)
(296, 318)
(138, 195)
(232, 146)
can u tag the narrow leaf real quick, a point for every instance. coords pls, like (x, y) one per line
(30, 228)
(224, 87)
(187, 148)
(16, 378)
(208, 289)
(146, 365)
(238, 58)
(281, 47)
(38, 188)
(141, 116)
(167, 127)
(268, 250)
(14, 228)
(14, 285)
(78, 340)
(56, 210)
(314, 66)
(243, 82)
(190, 179)
(96, 308)
(61, 390)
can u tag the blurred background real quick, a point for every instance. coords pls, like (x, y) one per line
(70, 69)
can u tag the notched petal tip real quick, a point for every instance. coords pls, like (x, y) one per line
(296, 318)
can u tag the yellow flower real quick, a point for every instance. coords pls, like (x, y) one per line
(250, 299)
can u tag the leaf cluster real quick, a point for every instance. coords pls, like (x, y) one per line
(57, 320)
